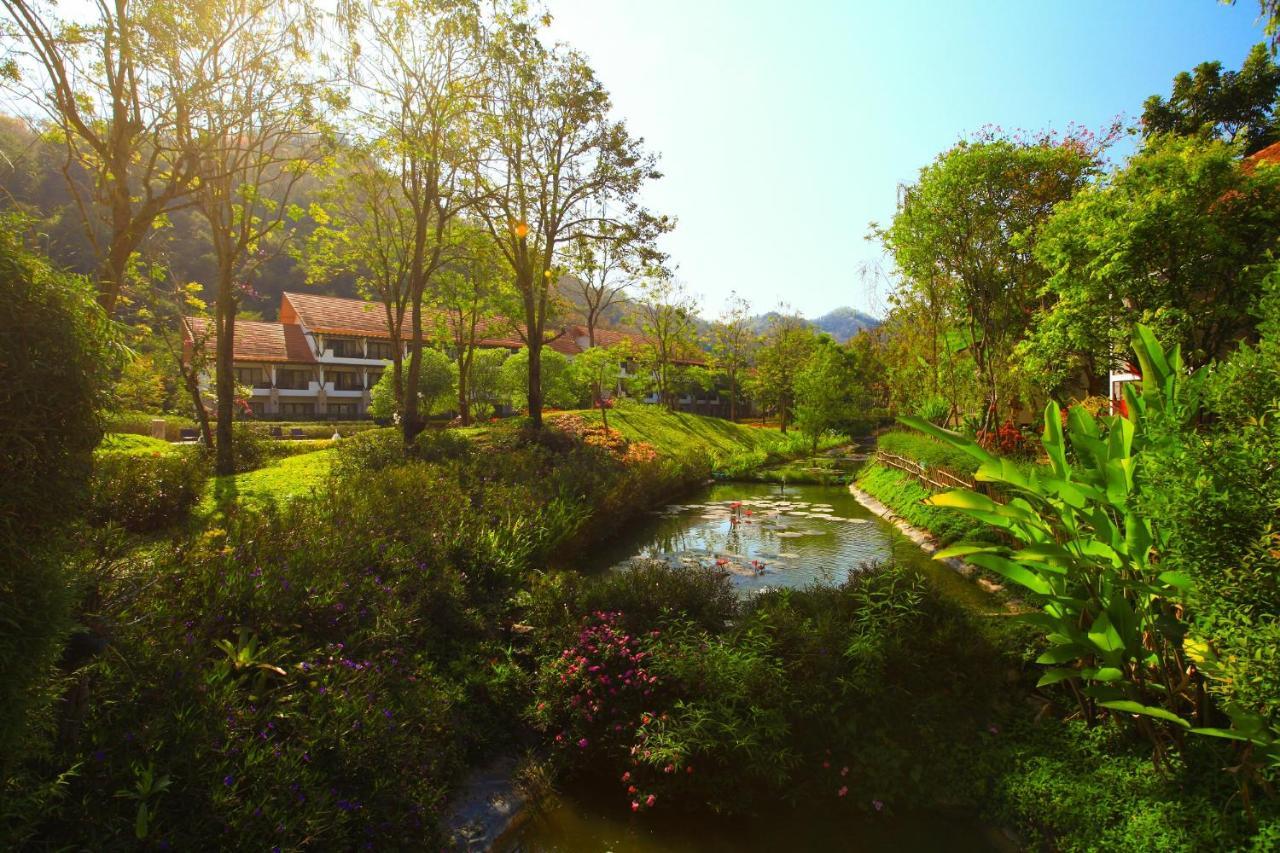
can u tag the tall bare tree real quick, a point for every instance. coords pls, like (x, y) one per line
(255, 134)
(415, 66)
(365, 228)
(554, 163)
(112, 86)
(470, 293)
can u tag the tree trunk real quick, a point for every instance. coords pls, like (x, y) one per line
(192, 383)
(225, 378)
(411, 420)
(733, 398)
(535, 380)
(464, 404)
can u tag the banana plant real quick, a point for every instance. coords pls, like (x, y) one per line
(1082, 551)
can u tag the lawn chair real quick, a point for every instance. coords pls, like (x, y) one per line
(276, 432)
(296, 433)
(186, 435)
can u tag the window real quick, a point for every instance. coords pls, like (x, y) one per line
(297, 408)
(345, 380)
(254, 377)
(342, 410)
(346, 348)
(293, 379)
(373, 376)
(258, 407)
(380, 349)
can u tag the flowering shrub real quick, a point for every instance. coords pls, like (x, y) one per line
(809, 694)
(1007, 440)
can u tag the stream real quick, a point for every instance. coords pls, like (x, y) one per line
(763, 536)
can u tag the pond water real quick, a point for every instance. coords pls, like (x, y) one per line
(765, 535)
(762, 536)
(577, 823)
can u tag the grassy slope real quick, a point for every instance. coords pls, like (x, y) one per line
(676, 433)
(671, 433)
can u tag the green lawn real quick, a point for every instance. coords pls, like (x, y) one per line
(291, 477)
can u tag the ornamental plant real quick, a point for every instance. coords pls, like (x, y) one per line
(1121, 636)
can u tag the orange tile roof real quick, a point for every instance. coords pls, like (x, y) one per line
(1270, 154)
(336, 315)
(256, 341)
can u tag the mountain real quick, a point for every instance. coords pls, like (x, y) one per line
(844, 323)
(840, 323)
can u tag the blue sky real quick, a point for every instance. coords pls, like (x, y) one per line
(785, 127)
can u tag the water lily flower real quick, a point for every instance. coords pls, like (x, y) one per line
(844, 789)
(650, 800)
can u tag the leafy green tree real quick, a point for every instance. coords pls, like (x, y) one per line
(597, 369)
(415, 67)
(971, 224)
(831, 392)
(116, 90)
(732, 343)
(784, 350)
(560, 388)
(437, 384)
(1232, 106)
(484, 388)
(1180, 240)
(252, 128)
(668, 319)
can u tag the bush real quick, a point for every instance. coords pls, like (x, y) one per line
(56, 350)
(369, 451)
(139, 423)
(829, 694)
(145, 492)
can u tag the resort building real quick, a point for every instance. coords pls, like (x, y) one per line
(320, 360)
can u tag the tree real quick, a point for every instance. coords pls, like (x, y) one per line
(484, 386)
(365, 227)
(560, 387)
(784, 350)
(437, 384)
(252, 128)
(973, 220)
(732, 342)
(1232, 106)
(416, 66)
(555, 163)
(470, 292)
(668, 319)
(830, 390)
(116, 90)
(1180, 239)
(602, 267)
(598, 368)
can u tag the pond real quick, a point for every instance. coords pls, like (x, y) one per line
(577, 823)
(762, 536)
(765, 535)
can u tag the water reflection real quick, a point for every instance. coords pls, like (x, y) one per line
(758, 536)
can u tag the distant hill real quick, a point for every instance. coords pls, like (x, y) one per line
(840, 323)
(844, 323)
